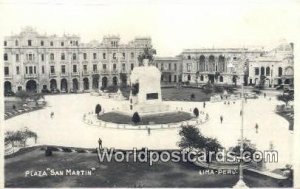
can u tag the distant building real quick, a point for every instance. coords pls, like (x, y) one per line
(170, 67)
(221, 66)
(274, 68)
(34, 62)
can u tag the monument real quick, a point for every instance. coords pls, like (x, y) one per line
(145, 94)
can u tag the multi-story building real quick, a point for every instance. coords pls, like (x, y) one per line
(170, 67)
(274, 68)
(34, 62)
(218, 66)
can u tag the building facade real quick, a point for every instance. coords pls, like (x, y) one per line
(218, 66)
(170, 68)
(274, 68)
(34, 62)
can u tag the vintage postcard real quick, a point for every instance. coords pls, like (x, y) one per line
(154, 94)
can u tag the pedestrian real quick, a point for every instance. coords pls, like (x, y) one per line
(265, 95)
(84, 116)
(256, 128)
(52, 114)
(241, 112)
(225, 102)
(228, 103)
(221, 119)
(204, 104)
(149, 131)
(100, 143)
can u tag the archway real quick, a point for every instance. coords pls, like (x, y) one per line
(221, 66)
(85, 84)
(75, 84)
(7, 87)
(53, 84)
(202, 63)
(262, 71)
(189, 77)
(221, 78)
(115, 81)
(31, 86)
(64, 85)
(95, 81)
(211, 65)
(104, 82)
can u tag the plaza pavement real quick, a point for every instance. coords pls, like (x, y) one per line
(68, 129)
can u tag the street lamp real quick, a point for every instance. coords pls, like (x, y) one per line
(240, 183)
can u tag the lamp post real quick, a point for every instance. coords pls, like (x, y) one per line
(240, 183)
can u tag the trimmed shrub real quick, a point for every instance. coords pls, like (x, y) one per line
(48, 152)
(196, 112)
(136, 118)
(192, 96)
(98, 109)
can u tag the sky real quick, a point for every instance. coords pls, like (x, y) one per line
(172, 25)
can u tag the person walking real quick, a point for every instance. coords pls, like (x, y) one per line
(265, 95)
(149, 131)
(52, 115)
(256, 128)
(100, 143)
(221, 119)
(204, 104)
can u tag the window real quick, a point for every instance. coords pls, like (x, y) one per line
(74, 68)
(43, 57)
(189, 67)
(124, 55)
(95, 67)
(280, 71)
(17, 58)
(104, 66)
(30, 57)
(26, 70)
(17, 70)
(76, 43)
(63, 56)
(62, 44)
(114, 66)
(51, 43)
(16, 43)
(74, 56)
(268, 71)
(84, 56)
(5, 56)
(221, 78)
(131, 66)
(175, 67)
(51, 56)
(29, 42)
(132, 55)
(52, 69)
(256, 70)
(262, 71)
(42, 43)
(43, 69)
(30, 70)
(63, 69)
(104, 56)
(189, 57)
(6, 70)
(95, 56)
(123, 67)
(34, 68)
(169, 66)
(114, 56)
(5, 43)
(84, 68)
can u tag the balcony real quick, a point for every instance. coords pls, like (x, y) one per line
(8, 76)
(30, 76)
(114, 71)
(75, 74)
(53, 74)
(95, 72)
(85, 73)
(64, 74)
(104, 71)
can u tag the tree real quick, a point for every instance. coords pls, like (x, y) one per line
(247, 146)
(148, 53)
(136, 118)
(23, 95)
(196, 112)
(286, 98)
(191, 138)
(98, 109)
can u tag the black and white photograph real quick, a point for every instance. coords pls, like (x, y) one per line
(149, 94)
